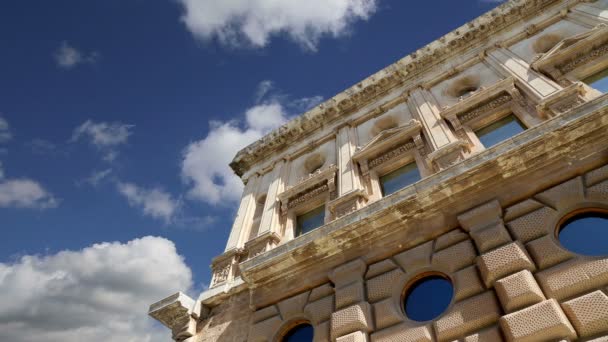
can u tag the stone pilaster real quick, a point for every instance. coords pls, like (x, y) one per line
(243, 217)
(446, 149)
(532, 83)
(270, 217)
(589, 14)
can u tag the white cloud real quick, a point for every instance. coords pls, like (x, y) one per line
(154, 202)
(67, 56)
(100, 293)
(5, 133)
(253, 22)
(205, 162)
(106, 136)
(96, 177)
(25, 193)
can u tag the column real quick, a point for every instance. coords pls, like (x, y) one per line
(245, 211)
(272, 207)
(446, 148)
(535, 85)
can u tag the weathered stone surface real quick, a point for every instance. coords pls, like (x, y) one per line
(416, 257)
(320, 292)
(518, 291)
(351, 319)
(293, 306)
(320, 310)
(350, 294)
(546, 252)
(264, 313)
(595, 176)
(491, 334)
(387, 313)
(382, 286)
(588, 313)
(522, 208)
(380, 267)
(455, 257)
(503, 261)
(533, 225)
(452, 237)
(348, 273)
(564, 195)
(573, 278)
(491, 237)
(322, 332)
(544, 321)
(264, 330)
(467, 283)
(403, 332)
(358, 336)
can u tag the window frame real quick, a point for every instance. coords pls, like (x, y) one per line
(297, 227)
(490, 120)
(380, 184)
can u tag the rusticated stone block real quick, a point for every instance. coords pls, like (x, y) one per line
(416, 257)
(588, 314)
(456, 257)
(264, 313)
(564, 194)
(503, 261)
(533, 225)
(491, 334)
(387, 313)
(293, 306)
(481, 216)
(350, 294)
(598, 192)
(451, 238)
(320, 310)
(596, 176)
(546, 252)
(467, 283)
(490, 237)
(382, 286)
(380, 267)
(351, 319)
(468, 316)
(320, 292)
(522, 208)
(518, 290)
(599, 339)
(403, 333)
(358, 336)
(263, 331)
(322, 332)
(544, 321)
(348, 273)
(573, 278)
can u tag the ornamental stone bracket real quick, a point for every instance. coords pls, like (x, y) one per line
(347, 203)
(389, 145)
(485, 101)
(315, 184)
(225, 266)
(563, 100)
(448, 155)
(261, 244)
(179, 313)
(573, 53)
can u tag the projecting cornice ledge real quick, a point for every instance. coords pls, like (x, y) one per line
(562, 147)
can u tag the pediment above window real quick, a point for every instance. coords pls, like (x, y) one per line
(572, 52)
(308, 187)
(389, 144)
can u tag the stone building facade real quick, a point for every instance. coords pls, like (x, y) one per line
(485, 215)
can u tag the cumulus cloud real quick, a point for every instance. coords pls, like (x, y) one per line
(68, 57)
(106, 136)
(5, 133)
(205, 162)
(100, 293)
(253, 22)
(25, 193)
(155, 202)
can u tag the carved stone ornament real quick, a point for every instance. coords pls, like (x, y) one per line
(347, 203)
(562, 101)
(223, 266)
(573, 52)
(179, 313)
(324, 180)
(261, 244)
(389, 145)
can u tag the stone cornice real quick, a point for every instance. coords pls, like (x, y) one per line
(346, 102)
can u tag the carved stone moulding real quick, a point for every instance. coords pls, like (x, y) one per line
(314, 185)
(261, 244)
(389, 145)
(347, 203)
(448, 155)
(562, 101)
(573, 53)
(224, 266)
(179, 313)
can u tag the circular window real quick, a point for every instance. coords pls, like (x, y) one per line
(427, 297)
(585, 232)
(300, 333)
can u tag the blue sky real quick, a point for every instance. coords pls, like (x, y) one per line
(118, 119)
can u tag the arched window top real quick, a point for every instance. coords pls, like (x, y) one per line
(303, 332)
(428, 296)
(463, 86)
(585, 232)
(546, 42)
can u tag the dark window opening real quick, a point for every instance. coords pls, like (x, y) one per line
(399, 179)
(585, 233)
(500, 130)
(310, 221)
(300, 333)
(428, 297)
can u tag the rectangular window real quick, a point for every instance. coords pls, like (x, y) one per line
(500, 130)
(310, 221)
(399, 179)
(598, 81)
